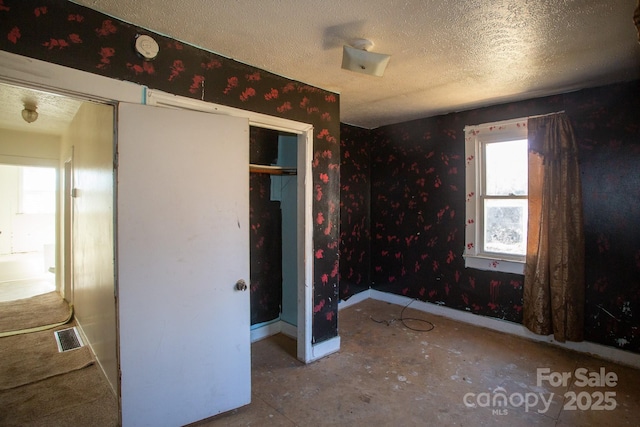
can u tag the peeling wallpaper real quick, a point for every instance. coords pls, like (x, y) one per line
(417, 210)
(71, 35)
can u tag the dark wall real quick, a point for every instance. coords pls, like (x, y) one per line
(418, 210)
(65, 33)
(355, 203)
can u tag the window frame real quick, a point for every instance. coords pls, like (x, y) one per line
(476, 138)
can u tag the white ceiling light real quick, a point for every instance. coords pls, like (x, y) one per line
(358, 58)
(29, 114)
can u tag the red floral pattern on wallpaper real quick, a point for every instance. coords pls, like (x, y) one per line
(417, 211)
(355, 238)
(68, 34)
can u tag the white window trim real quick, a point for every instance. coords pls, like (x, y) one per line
(487, 132)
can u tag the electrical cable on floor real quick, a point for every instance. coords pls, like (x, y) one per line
(402, 319)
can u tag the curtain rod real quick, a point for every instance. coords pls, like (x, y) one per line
(507, 122)
(544, 115)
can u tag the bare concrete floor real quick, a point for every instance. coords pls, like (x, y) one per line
(389, 375)
(384, 375)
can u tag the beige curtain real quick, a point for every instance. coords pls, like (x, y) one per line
(554, 273)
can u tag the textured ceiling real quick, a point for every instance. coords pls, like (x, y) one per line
(54, 112)
(445, 55)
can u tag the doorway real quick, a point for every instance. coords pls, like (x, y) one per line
(64, 234)
(36, 186)
(27, 231)
(274, 235)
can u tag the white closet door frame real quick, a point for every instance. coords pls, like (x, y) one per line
(306, 352)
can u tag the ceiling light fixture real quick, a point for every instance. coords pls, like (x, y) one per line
(29, 114)
(358, 58)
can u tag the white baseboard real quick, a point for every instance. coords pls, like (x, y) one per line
(85, 340)
(325, 348)
(317, 351)
(355, 299)
(273, 328)
(605, 352)
(265, 331)
(289, 330)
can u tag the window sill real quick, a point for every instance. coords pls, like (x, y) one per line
(494, 264)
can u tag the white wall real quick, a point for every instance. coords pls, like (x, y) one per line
(20, 148)
(23, 231)
(91, 134)
(29, 148)
(8, 207)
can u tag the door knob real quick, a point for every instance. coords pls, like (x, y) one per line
(241, 285)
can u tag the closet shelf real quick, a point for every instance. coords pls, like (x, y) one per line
(272, 170)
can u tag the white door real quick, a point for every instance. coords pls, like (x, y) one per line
(182, 244)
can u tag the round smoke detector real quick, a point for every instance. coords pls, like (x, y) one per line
(147, 47)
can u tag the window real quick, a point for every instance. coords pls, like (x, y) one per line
(37, 190)
(496, 188)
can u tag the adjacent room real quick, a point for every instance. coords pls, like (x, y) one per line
(28, 230)
(418, 214)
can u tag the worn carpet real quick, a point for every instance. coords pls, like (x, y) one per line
(25, 315)
(79, 398)
(27, 358)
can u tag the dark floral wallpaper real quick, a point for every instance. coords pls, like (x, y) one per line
(417, 217)
(607, 126)
(418, 202)
(405, 235)
(355, 203)
(68, 34)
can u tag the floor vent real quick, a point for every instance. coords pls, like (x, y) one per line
(68, 339)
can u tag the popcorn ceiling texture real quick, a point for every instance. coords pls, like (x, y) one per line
(445, 55)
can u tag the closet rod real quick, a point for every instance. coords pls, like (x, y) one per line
(272, 170)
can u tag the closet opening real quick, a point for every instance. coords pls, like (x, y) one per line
(273, 215)
(260, 127)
